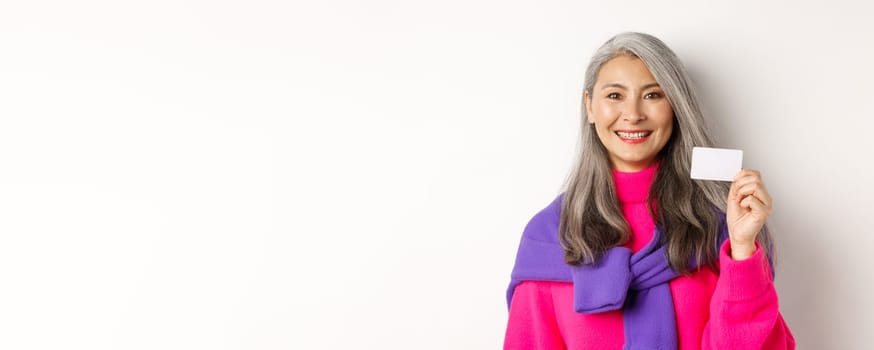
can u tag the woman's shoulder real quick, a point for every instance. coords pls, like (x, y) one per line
(543, 226)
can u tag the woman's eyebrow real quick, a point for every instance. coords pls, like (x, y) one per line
(617, 85)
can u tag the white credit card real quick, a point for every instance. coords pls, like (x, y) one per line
(716, 163)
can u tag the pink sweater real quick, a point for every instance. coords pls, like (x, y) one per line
(736, 309)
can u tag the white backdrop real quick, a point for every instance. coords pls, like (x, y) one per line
(356, 175)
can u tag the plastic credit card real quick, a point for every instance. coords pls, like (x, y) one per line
(719, 164)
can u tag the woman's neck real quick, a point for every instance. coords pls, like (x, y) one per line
(633, 186)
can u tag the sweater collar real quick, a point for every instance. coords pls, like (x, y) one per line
(633, 187)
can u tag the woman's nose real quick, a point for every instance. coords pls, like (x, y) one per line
(632, 112)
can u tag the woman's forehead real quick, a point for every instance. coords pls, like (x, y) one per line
(625, 72)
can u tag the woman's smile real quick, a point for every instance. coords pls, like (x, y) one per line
(633, 136)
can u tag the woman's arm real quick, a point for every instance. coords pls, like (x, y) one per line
(744, 311)
(532, 323)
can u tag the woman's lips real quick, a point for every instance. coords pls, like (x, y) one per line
(633, 136)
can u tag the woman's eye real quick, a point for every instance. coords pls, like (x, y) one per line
(653, 95)
(613, 96)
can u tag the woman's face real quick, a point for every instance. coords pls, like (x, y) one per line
(631, 113)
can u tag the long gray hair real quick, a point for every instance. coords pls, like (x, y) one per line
(688, 211)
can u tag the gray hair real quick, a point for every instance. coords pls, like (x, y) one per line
(592, 221)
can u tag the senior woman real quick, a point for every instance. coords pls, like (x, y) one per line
(633, 253)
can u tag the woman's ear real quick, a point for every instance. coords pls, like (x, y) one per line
(587, 100)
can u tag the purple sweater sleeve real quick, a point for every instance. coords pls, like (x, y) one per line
(744, 310)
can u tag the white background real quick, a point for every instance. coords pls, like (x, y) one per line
(357, 174)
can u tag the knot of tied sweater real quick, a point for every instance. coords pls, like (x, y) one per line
(637, 283)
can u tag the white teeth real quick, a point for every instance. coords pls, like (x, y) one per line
(633, 135)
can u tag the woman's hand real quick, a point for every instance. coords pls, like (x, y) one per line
(748, 206)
